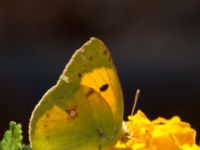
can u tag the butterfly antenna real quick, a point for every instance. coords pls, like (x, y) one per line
(137, 94)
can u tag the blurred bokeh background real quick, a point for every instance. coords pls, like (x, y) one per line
(155, 45)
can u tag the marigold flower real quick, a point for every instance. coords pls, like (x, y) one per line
(159, 134)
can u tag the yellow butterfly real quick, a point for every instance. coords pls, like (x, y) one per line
(84, 110)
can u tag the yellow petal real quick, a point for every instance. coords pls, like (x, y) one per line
(159, 134)
(188, 147)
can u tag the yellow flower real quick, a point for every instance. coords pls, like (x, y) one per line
(159, 134)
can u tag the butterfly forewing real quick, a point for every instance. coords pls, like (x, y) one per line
(84, 110)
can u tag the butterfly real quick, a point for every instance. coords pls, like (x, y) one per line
(84, 110)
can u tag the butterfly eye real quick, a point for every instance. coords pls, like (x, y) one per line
(104, 87)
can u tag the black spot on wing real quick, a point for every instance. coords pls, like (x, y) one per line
(47, 115)
(85, 65)
(45, 126)
(79, 75)
(90, 92)
(110, 58)
(48, 137)
(105, 52)
(90, 58)
(104, 87)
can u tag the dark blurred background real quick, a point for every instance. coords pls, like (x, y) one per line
(155, 45)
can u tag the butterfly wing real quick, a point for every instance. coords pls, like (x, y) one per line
(84, 110)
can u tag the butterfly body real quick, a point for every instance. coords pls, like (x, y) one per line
(84, 110)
